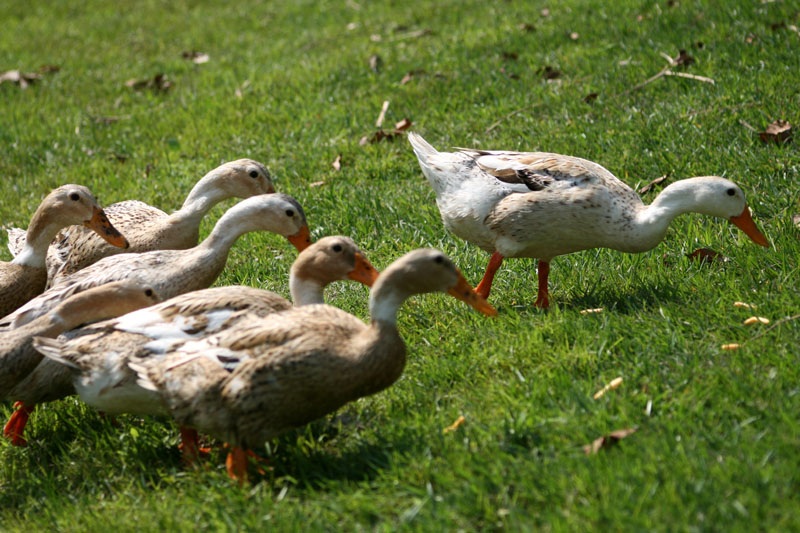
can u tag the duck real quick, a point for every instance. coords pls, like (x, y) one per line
(26, 276)
(96, 356)
(18, 357)
(542, 205)
(174, 272)
(267, 375)
(149, 228)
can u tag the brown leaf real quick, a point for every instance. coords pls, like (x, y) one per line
(23, 79)
(337, 163)
(511, 56)
(411, 74)
(511, 75)
(527, 28)
(683, 58)
(549, 73)
(606, 441)
(707, 255)
(775, 26)
(750, 38)
(672, 3)
(403, 124)
(375, 63)
(379, 136)
(779, 132)
(47, 69)
(158, 82)
(653, 184)
(589, 98)
(195, 57)
(698, 44)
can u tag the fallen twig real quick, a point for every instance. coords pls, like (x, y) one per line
(689, 76)
(385, 107)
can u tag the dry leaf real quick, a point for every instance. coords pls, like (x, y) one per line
(796, 220)
(454, 426)
(653, 184)
(756, 320)
(337, 163)
(683, 58)
(707, 255)
(375, 38)
(672, 3)
(778, 132)
(411, 74)
(545, 12)
(195, 57)
(511, 56)
(574, 36)
(158, 82)
(403, 125)
(731, 346)
(750, 38)
(351, 26)
(375, 63)
(775, 26)
(526, 27)
(48, 69)
(743, 304)
(607, 440)
(509, 74)
(589, 98)
(380, 135)
(316, 184)
(549, 73)
(591, 311)
(23, 79)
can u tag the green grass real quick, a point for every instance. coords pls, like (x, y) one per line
(719, 448)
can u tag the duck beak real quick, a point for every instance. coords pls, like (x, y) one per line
(463, 291)
(363, 272)
(102, 226)
(745, 223)
(302, 239)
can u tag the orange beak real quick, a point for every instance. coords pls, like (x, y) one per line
(463, 291)
(102, 226)
(363, 272)
(302, 239)
(745, 223)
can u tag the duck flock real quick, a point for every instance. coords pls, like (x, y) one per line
(114, 304)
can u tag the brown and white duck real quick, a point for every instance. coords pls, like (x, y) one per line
(149, 228)
(96, 357)
(18, 357)
(542, 205)
(26, 276)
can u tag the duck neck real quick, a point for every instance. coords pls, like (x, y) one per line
(385, 300)
(305, 291)
(38, 238)
(231, 225)
(653, 220)
(203, 196)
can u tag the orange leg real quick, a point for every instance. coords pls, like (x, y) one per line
(15, 427)
(485, 285)
(236, 464)
(542, 270)
(190, 446)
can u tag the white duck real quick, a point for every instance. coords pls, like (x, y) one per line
(265, 376)
(147, 227)
(18, 357)
(541, 205)
(96, 357)
(174, 272)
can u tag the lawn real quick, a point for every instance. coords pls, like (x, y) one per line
(292, 84)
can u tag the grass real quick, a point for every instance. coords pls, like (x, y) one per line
(717, 448)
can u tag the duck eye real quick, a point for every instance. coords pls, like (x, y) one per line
(337, 247)
(439, 259)
(148, 292)
(74, 197)
(731, 192)
(253, 174)
(289, 213)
